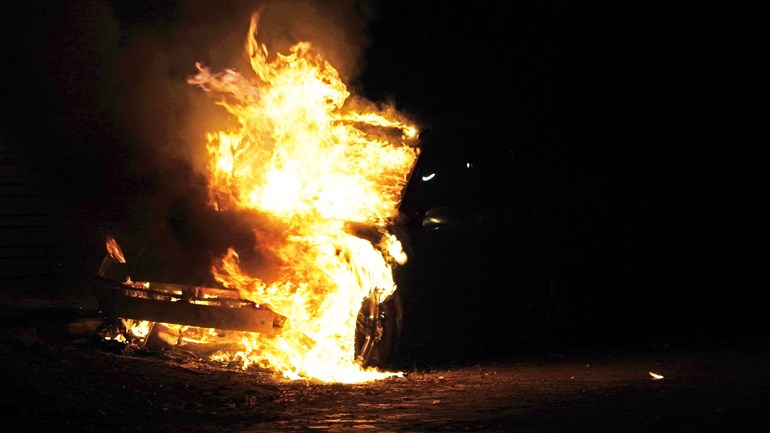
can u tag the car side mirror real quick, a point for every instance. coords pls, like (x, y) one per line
(441, 216)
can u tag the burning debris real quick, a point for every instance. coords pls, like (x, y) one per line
(655, 376)
(325, 167)
(114, 255)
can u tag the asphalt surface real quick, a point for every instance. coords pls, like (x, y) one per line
(57, 377)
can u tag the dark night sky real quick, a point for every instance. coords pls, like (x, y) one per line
(652, 110)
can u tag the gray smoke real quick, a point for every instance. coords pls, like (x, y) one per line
(147, 53)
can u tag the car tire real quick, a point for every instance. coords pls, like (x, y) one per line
(378, 336)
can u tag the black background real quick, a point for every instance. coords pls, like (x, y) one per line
(653, 111)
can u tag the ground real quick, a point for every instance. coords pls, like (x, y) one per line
(55, 377)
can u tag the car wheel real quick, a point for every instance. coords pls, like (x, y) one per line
(378, 330)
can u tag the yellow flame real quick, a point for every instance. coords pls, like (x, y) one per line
(113, 249)
(314, 159)
(655, 376)
(137, 328)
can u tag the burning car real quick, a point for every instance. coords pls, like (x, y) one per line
(313, 177)
(205, 320)
(321, 187)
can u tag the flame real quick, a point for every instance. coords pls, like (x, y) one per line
(137, 328)
(113, 249)
(655, 376)
(317, 161)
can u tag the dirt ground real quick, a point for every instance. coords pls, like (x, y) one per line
(56, 377)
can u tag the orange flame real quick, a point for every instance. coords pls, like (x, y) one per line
(316, 160)
(113, 249)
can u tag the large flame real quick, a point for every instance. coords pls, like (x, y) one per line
(317, 161)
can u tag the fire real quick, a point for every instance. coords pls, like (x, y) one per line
(114, 251)
(318, 161)
(137, 328)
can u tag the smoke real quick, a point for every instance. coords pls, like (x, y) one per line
(166, 115)
(164, 120)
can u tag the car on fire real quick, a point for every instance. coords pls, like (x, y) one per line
(472, 223)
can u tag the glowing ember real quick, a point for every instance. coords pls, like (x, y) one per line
(316, 161)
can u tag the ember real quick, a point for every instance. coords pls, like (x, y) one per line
(655, 376)
(326, 167)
